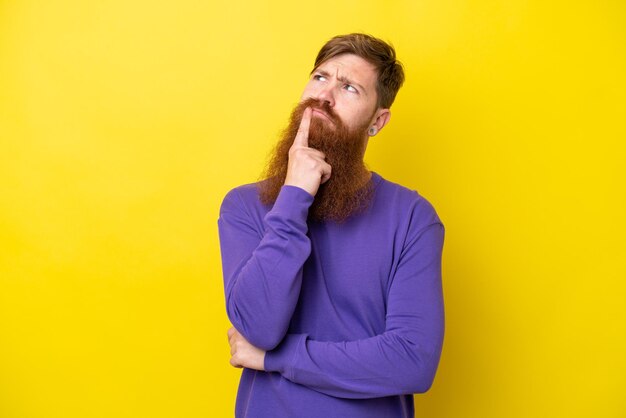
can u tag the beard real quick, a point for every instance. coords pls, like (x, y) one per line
(348, 191)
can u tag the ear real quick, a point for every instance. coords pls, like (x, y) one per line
(380, 119)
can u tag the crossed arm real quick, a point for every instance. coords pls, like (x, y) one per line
(401, 360)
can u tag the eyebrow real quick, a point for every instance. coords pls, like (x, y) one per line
(343, 79)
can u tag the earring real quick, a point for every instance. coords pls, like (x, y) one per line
(372, 131)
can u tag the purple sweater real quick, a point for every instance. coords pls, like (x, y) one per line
(351, 314)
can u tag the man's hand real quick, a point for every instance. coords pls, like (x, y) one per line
(306, 168)
(244, 354)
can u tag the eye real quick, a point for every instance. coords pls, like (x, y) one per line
(319, 77)
(351, 88)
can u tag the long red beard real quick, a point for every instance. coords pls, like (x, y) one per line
(348, 191)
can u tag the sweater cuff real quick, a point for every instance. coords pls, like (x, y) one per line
(281, 359)
(293, 201)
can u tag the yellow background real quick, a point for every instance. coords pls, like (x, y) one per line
(124, 123)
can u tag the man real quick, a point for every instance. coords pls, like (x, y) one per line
(332, 274)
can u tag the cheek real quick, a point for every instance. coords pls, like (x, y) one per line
(354, 118)
(345, 118)
(309, 91)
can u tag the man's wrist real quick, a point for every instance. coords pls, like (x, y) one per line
(281, 359)
(292, 202)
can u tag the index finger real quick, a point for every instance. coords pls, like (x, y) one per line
(302, 137)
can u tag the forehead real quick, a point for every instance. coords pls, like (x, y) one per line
(352, 67)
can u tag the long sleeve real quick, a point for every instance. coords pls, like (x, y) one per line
(262, 264)
(401, 360)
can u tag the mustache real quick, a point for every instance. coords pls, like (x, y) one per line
(320, 105)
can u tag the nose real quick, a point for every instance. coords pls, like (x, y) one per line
(326, 94)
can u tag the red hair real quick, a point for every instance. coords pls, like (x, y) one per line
(377, 52)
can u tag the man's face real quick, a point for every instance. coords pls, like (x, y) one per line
(347, 83)
(342, 95)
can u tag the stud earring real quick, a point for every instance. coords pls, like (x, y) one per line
(372, 131)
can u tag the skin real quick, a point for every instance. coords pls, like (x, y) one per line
(244, 354)
(348, 83)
